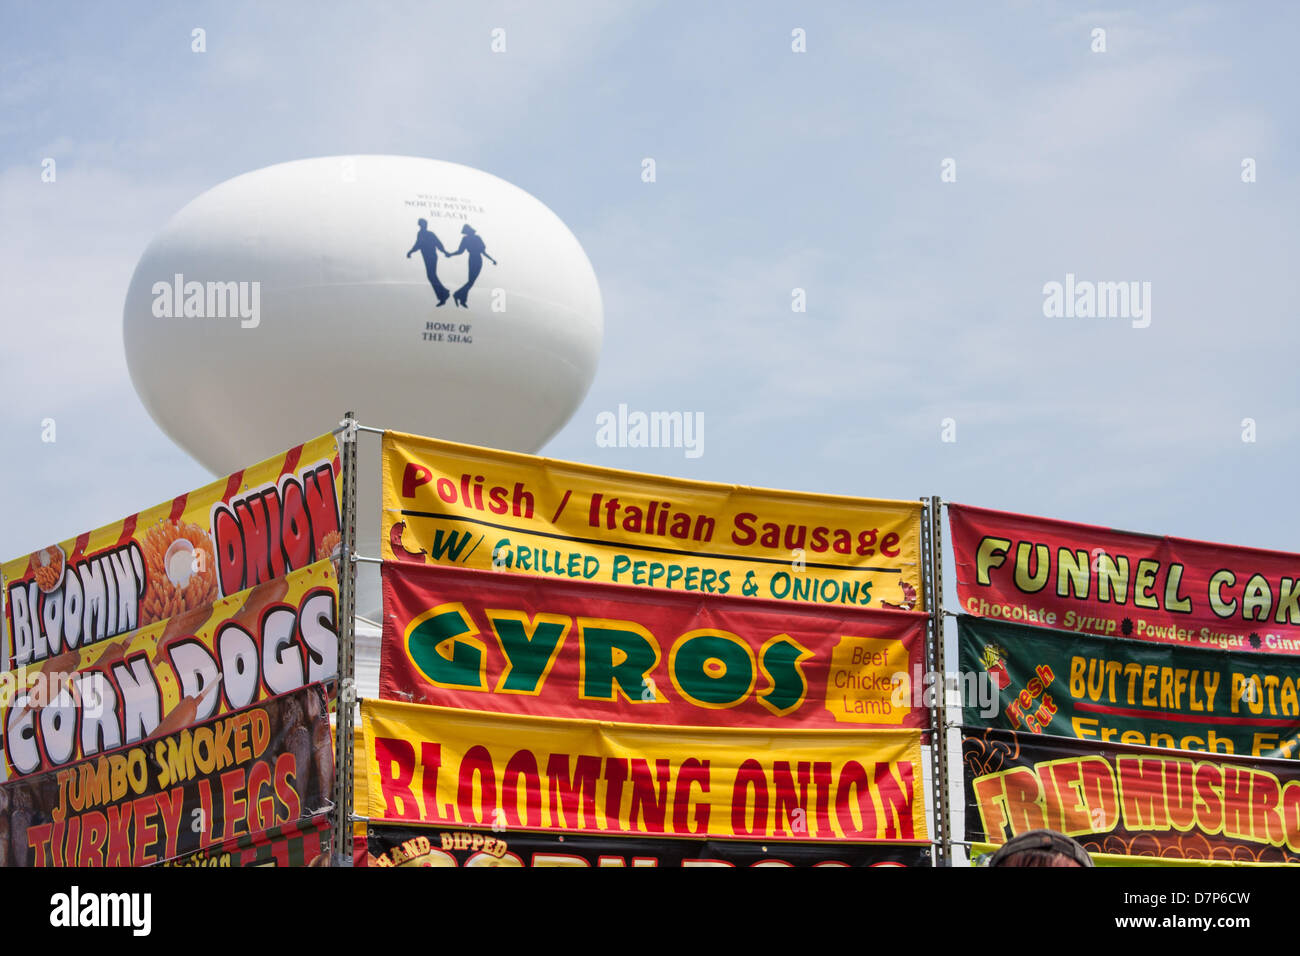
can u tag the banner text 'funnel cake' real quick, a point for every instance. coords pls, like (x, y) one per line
(1112, 583)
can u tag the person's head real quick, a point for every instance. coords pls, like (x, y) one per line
(1041, 848)
(467, 230)
(424, 223)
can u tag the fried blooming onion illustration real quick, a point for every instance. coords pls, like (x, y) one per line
(46, 567)
(180, 569)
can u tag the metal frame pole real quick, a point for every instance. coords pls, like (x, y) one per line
(344, 720)
(932, 561)
(4, 632)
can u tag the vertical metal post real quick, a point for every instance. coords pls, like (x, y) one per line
(4, 637)
(932, 562)
(344, 720)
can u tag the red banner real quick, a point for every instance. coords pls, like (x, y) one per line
(521, 645)
(1122, 584)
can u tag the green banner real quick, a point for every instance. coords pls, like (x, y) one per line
(1117, 691)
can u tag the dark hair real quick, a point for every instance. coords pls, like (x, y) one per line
(1041, 848)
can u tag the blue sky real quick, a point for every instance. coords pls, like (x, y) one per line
(775, 170)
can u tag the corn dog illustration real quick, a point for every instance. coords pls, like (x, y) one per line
(261, 597)
(186, 623)
(53, 677)
(184, 713)
(112, 653)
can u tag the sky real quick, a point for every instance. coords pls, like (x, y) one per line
(920, 171)
(776, 170)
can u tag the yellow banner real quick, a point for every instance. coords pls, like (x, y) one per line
(457, 768)
(235, 533)
(265, 641)
(446, 503)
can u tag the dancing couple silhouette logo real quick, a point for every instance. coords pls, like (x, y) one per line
(430, 245)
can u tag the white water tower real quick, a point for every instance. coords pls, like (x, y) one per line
(279, 299)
